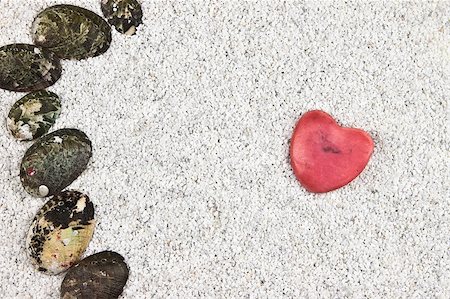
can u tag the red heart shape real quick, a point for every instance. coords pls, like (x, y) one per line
(326, 156)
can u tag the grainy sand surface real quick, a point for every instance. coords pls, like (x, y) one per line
(190, 122)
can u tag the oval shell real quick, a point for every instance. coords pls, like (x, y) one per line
(61, 231)
(71, 32)
(124, 15)
(33, 115)
(27, 68)
(102, 276)
(54, 161)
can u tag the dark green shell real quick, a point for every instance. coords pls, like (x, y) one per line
(61, 232)
(33, 115)
(71, 32)
(102, 276)
(54, 161)
(124, 15)
(27, 68)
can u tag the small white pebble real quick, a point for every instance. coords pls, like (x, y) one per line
(43, 190)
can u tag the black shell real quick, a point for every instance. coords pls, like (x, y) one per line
(124, 15)
(61, 231)
(72, 32)
(27, 68)
(54, 161)
(101, 276)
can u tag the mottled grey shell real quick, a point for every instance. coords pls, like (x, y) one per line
(33, 115)
(102, 276)
(27, 68)
(71, 32)
(61, 232)
(54, 161)
(124, 15)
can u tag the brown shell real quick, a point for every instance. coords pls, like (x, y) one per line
(101, 276)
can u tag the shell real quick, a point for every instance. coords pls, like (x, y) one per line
(27, 68)
(124, 15)
(71, 32)
(102, 276)
(54, 161)
(33, 115)
(60, 232)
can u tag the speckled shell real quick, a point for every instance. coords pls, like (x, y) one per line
(124, 15)
(61, 231)
(27, 68)
(102, 276)
(33, 115)
(71, 32)
(54, 161)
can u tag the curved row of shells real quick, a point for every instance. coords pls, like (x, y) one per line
(63, 227)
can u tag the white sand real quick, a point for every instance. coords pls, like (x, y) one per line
(190, 121)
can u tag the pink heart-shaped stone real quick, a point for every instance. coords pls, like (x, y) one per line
(326, 156)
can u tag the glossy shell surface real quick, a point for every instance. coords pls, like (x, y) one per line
(61, 231)
(33, 115)
(124, 15)
(102, 276)
(54, 161)
(72, 32)
(28, 68)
